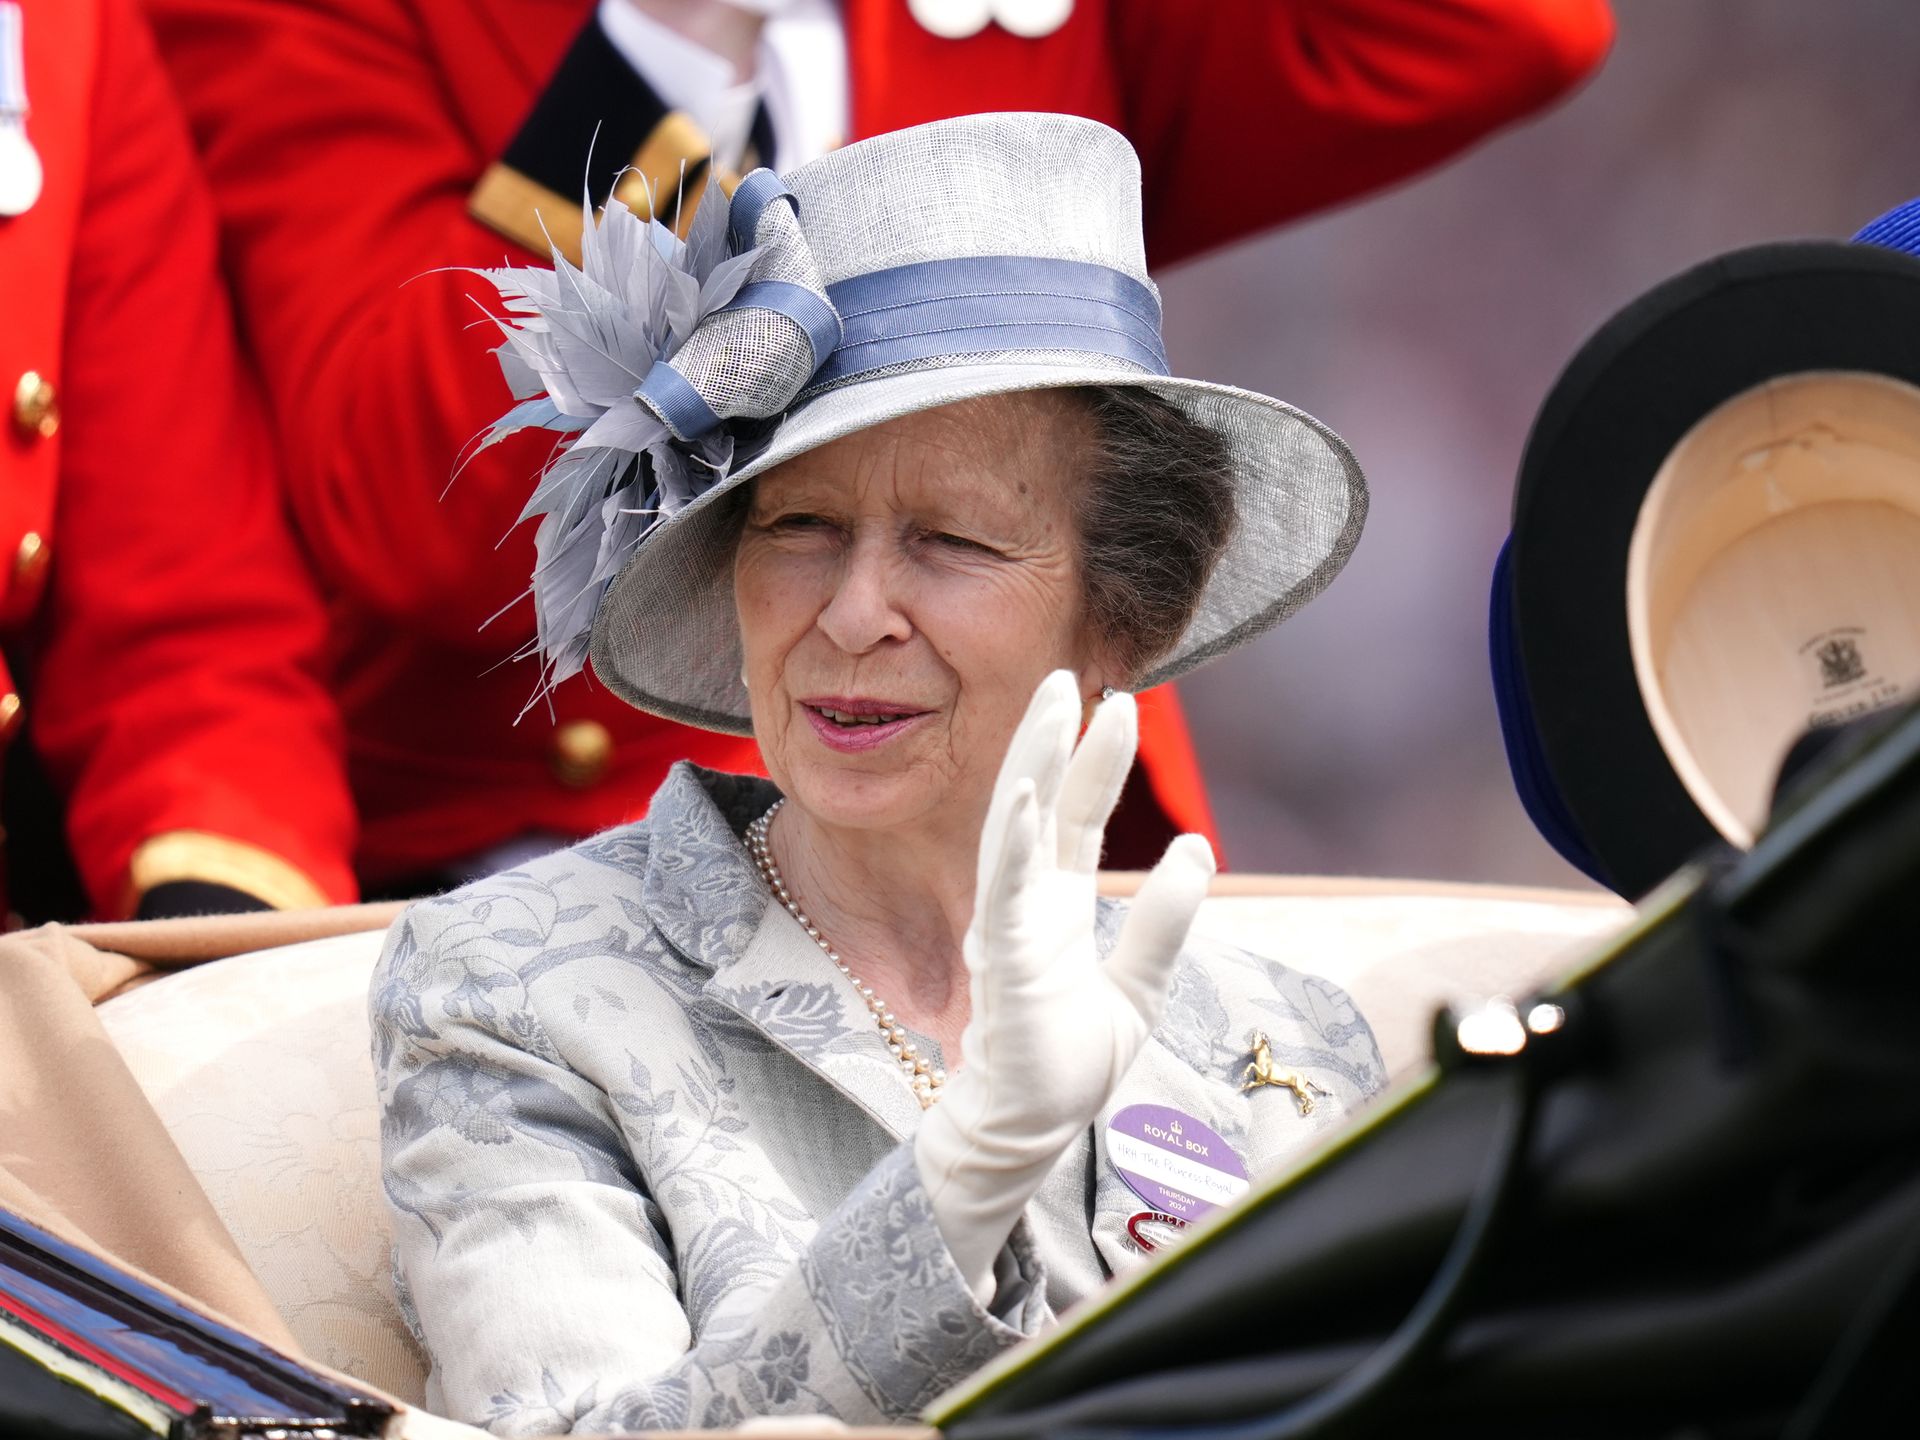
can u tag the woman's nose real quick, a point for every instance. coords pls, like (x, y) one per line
(864, 609)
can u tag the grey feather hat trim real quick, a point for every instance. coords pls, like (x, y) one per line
(979, 256)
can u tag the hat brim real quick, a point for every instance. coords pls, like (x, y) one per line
(666, 638)
(1630, 396)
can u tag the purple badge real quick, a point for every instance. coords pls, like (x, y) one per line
(1173, 1162)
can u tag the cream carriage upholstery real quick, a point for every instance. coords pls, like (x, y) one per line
(259, 1067)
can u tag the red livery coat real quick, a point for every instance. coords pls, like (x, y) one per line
(162, 634)
(344, 136)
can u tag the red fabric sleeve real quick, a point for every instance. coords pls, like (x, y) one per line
(176, 683)
(342, 177)
(1173, 769)
(1291, 107)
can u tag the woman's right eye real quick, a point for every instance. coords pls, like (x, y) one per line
(796, 520)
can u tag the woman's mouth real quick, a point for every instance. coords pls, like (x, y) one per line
(849, 725)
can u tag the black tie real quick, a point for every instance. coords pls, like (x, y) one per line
(761, 145)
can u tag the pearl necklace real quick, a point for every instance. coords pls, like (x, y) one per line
(922, 1074)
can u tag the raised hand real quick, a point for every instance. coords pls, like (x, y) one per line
(1052, 1029)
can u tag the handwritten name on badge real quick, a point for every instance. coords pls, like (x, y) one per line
(1173, 1162)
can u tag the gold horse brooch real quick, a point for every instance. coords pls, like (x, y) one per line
(1264, 1071)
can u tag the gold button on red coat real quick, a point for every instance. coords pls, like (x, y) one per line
(582, 750)
(9, 715)
(30, 560)
(36, 406)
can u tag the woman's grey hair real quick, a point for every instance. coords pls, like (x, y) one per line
(1155, 516)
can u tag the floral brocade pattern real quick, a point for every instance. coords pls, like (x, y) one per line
(649, 1165)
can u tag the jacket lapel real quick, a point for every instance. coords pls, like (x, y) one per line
(787, 989)
(703, 893)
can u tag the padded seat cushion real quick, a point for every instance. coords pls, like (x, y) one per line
(261, 1069)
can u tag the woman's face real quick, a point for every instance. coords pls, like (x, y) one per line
(901, 593)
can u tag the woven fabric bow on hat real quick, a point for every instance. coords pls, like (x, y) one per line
(640, 357)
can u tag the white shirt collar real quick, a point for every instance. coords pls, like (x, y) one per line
(800, 71)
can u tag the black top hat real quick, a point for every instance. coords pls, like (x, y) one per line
(1716, 545)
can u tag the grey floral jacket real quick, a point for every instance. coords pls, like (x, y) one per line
(648, 1159)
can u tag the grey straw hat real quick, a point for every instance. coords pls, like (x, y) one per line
(966, 258)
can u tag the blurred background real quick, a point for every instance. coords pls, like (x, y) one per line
(1427, 325)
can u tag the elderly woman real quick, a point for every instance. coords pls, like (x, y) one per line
(813, 1094)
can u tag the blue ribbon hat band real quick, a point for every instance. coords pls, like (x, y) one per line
(683, 409)
(969, 305)
(983, 303)
(749, 199)
(802, 306)
(799, 304)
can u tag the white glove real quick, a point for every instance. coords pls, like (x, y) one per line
(1052, 1029)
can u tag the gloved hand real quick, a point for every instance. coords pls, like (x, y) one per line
(1052, 1029)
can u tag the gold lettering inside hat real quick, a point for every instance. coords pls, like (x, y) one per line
(1773, 581)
